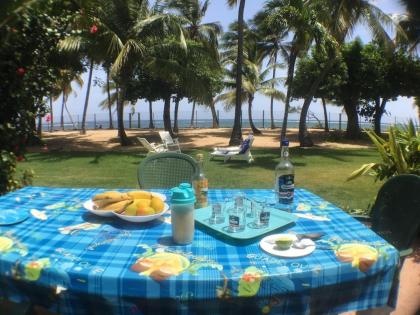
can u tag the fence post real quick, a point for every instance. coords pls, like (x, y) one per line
(129, 120)
(138, 121)
(339, 121)
(78, 122)
(94, 121)
(218, 117)
(263, 118)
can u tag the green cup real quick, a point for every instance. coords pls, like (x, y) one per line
(284, 242)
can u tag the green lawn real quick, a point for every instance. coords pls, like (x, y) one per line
(322, 171)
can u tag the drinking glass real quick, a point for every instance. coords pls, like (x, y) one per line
(262, 215)
(217, 216)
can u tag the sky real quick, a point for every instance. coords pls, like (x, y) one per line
(400, 110)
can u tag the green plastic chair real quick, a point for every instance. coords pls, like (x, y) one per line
(395, 215)
(166, 170)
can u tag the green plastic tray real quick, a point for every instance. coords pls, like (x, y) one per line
(278, 219)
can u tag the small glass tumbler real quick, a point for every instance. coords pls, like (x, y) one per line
(217, 216)
(262, 216)
(237, 219)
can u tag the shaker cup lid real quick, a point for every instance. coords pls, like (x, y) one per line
(183, 194)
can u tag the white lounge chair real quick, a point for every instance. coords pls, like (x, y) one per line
(242, 152)
(152, 147)
(169, 143)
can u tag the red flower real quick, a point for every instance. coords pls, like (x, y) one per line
(48, 118)
(21, 71)
(20, 158)
(93, 29)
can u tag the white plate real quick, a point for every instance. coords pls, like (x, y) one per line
(267, 245)
(142, 218)
(89, 206)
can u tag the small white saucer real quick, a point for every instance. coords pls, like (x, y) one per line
(267, 245)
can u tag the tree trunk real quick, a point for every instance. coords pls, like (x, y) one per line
(353, 128)
(111, 124)
(304, 136)
(39, 128)
(151, 123)
(62, 111)
(254, 129)
(124, 141)
(83, 129)
(324, 106)
(192, 116)
(379, 111)
(290, 74)
(167, 115)
(236, 136)
(272, 96)
(68, 113)
(51, 115)
(177, 99)
(214, 115)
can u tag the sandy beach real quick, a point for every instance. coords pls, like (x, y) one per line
(106, 140)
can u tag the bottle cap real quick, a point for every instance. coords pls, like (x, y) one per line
(285, 142)
(183, 194)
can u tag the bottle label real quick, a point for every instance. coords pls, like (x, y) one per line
(234, 221)
(286, 184)
(201, 188)
(265, 217)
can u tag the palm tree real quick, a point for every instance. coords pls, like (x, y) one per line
(298, 18)
(340, 18)
(110, 88)
(236, 136)
(254, 78)
(272, 43)
(64, 88)
(192, 13)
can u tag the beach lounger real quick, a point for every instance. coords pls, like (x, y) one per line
(242, 152)
(168, 142)
(152, 147)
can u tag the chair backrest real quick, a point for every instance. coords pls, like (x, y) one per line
(166, 137)
(396, 212)
(166, 170)
(246, 145)
(147, 144)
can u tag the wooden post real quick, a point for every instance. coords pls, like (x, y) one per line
(129, 120)
(78, 122)
(263, 118)
(339, 121)
(138, 121)
(94, 121)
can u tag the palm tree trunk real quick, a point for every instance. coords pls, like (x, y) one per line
(167, 115)
(290, 74)
(62, 111)
(177, 99)
(151, 123)
(304, 136)
(214, 115)
(192, 115)
(83, 130)
(124, 141)
(324, 106)
(111, 124)
(353, 128)
(272, 96)
(254, 129)
(51, 115)
(379, 111)
(68, 113)
(236, 136)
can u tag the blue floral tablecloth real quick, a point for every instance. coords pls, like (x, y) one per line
(72, 262)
